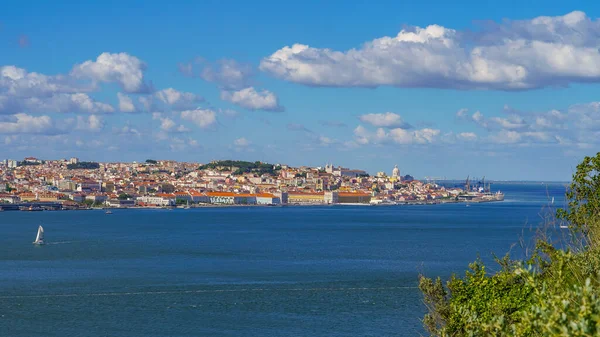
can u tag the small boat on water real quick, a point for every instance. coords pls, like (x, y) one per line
(108, 212)
(39, 239)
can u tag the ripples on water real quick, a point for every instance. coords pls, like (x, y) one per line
(309, 271)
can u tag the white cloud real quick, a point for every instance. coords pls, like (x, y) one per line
(166, 124)
(26, 124)
(396, 135)
(386, 120)
(178, 100)
(229, 74)
(180, 144)
(512, 55)
(326, 141)
(127, 130)
(91, 123)
(204, 118)
(462, 113)
(125, 103)
(251, 99)
(121, 68)
(467, 136)
(18, 82)
(511, 123)
(241, 142)
(62, 103)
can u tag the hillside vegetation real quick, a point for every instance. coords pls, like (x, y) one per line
(240, 167)
(83, 165)
(554, 292)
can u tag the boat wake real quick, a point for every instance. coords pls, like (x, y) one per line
(204, 291)
(60, 242)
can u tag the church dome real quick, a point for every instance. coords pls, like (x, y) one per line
(396, 171)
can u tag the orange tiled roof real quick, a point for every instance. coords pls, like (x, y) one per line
(353, 194)
(220, 194)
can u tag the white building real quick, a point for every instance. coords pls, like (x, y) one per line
(396, 172)
(267, 199)
(331, 197)
(156, 200)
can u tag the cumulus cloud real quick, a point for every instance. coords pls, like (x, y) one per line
(512, 55)
(178, 100)
(203, 118)
(386, 120)
(578, 126)
(180, 144)
(228, 74)
(121, 68)
(127, 130)
(125, 103)
(18, 82)
(251, 99)
(26, 124)
(163, 100)
(168, 125)
(91, 123)
(467, 136)
(62, 103)
(397, 135)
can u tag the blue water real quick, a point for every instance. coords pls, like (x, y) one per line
(290, 271)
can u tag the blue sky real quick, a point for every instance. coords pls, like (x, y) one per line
(507, 90)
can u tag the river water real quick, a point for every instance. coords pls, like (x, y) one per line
(274, 271)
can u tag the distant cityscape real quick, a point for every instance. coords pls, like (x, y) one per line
(35, 184)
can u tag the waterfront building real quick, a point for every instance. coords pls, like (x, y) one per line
(306, 198)
(267, 199)
(354, 198)
(47, 197)
(96, 198)
(185, 196)
(27, 196)
(156, 200)
(331, 197)
(118, 203)
(221, 197)
(283, 197)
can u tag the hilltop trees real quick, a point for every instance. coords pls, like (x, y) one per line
(83, 165)
(240, 167)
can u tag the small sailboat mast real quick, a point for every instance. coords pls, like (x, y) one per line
(39, 239)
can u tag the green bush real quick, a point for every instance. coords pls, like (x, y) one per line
(555, 292)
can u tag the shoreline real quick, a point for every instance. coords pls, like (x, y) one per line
(196, 206)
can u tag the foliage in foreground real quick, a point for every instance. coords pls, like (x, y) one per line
(556, 292)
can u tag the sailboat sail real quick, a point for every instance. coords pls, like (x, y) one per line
(39, 239)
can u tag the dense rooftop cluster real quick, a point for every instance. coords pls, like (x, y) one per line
(167, 183)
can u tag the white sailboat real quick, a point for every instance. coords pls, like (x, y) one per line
(187, 206)
(39, 239)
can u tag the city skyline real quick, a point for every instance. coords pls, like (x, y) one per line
(500, 90)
